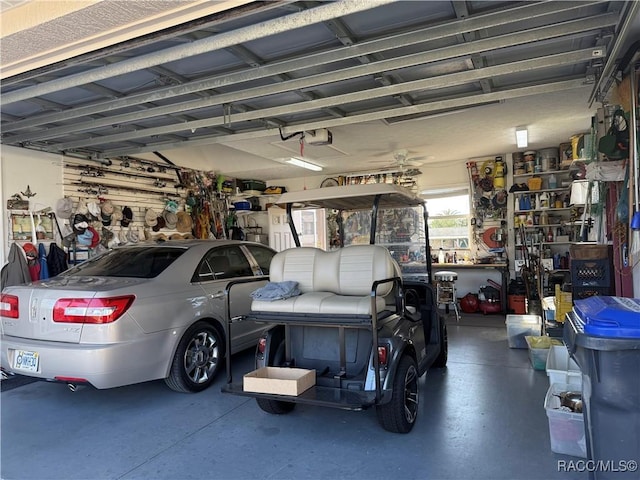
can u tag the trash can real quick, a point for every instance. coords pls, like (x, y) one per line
(603, 336)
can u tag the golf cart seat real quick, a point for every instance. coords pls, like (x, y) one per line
(338, 282)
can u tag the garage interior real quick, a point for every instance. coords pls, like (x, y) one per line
(149, 102)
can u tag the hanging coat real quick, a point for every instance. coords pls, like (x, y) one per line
(56, 260)
(16, 271)
(42, 258)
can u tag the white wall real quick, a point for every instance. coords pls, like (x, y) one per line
(299, 183)
(20, 167)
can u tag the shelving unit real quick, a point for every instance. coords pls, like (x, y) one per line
(553, 215)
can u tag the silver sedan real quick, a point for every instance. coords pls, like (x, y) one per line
(133, 314)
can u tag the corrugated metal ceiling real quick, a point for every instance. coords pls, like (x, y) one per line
(241, 79)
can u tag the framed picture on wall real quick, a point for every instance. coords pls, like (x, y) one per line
(22, 231)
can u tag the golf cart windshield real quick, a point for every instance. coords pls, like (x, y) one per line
(382, 214)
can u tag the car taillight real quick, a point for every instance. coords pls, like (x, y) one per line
(91, 310)
(8, 306)
(262, 345)
(383, 353)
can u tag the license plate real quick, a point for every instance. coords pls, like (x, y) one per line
(25, 360)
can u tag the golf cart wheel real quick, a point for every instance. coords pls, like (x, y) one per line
(399, 415)
(441, 360)
(276, 407)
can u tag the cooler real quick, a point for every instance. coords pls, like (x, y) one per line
(603, 336)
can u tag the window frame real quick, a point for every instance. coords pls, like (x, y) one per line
(443, 193)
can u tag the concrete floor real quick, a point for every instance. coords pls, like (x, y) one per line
(480, 418)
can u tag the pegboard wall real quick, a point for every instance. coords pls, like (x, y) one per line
(137, 184)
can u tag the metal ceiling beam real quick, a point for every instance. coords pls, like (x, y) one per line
(217, 42)
(609, 69)
(347, 38)
(520, 13)
(441, 81)
(571, 27)
(437, 105)
(253, 60)
(476, 61)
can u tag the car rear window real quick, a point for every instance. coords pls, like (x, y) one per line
(129, 262)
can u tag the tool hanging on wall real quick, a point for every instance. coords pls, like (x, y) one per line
(498, 176)
(99, 188)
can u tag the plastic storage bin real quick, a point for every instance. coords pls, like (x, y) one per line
(603, 336)
(519, 326)
(539, 350)
(561, 368)
(566, 428)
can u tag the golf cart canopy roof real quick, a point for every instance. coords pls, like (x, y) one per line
(352, 197)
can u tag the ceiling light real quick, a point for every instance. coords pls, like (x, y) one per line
(298, 162)
(521, 137)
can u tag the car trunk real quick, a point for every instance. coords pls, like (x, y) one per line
(36, 302)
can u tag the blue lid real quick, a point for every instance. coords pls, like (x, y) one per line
(610, 316)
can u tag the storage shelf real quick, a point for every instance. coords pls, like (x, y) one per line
(519, 245)
(548, 172)
(549, 190)
(242, 213)
(543, 210)
(545, 225)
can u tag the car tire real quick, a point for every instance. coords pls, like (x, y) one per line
(197, 360)
(276, 407)
(399, 415)
(441, 359)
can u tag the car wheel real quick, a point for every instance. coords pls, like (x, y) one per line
(399, 415)
(276, 407)
(441, 360)
(197, 359)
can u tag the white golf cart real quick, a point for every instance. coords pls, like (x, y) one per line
(363, 315)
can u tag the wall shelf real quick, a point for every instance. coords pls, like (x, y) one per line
(548, 172)
(550, 210)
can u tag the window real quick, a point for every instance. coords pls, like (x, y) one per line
(449, 219)
(137, 262)
(262, 255)
(223, 262)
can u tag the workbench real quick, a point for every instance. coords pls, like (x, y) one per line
(471, 276)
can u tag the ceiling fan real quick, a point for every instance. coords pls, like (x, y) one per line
(403, 161)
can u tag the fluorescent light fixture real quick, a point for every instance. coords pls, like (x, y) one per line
(298, 162)
(521, 137)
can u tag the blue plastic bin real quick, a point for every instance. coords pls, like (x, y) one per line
(603, 336)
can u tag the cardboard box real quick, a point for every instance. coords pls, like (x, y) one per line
(279, 380)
